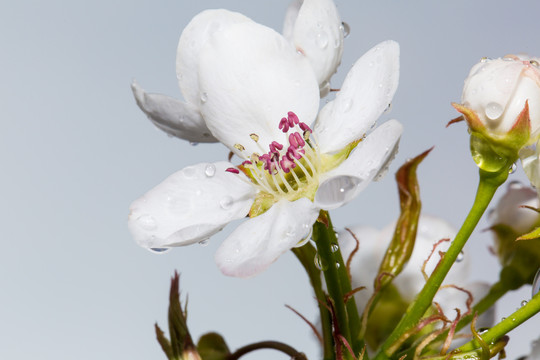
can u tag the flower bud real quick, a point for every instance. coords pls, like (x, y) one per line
(520, 259)
(496, 90)
(501, 103)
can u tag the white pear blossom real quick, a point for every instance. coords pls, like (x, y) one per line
(312, 27)
(497, 90)
(372, 247)
(260, 97)
(510, 211)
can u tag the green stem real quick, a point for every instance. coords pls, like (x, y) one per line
(323, 239)
(284, 348)
(511, 322)
(306, 255)
(488, 184)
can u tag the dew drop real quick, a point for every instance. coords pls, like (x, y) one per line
(345, 29)
(319, 263)
(512, 168)
(190, 172)
(193, 143)
(159, 250)
(336, 191)
(502, 319)
(210, 170)
(347, 105)
(334, 247)
(226, 202)
(494, 110)
(460, 256)
(203, 242)
(204, 97)
(337, 265)
(322, 40)
(536, 283)
(482, 330)
(524, 302)
(147, 222)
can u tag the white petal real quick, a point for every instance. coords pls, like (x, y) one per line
(193, 38)
(316, 32)
(258, 242)
(367, 91)
(190, 206)
(290, 18)
(173, 116)
(509, 210)
(250, 77)
(369, 160)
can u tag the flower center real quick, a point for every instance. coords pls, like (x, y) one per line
(286, 171)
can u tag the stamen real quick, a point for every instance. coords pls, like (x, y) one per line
(287, 163)
(278, 187)
(284, 125)
(308, 175)
(239, 147)
(275, 147)
(293, 119)
(287, 185)
(233, 170)
(254, 137)
(304, 127)
(296, 140)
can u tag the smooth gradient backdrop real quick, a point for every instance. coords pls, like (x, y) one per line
(75, 151)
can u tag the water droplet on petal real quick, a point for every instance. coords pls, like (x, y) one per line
(203, 242)
(347, 105)
(334, 247)
(159, 250)
(147, 222)
(460, 256)
(210, 170)
(226, 202)
(512, 168)
(190, 172)
(322, 40)
(345, 28)
(193, 143)
(494, 110)
(336, 191)
(204, 97)
(536, 283)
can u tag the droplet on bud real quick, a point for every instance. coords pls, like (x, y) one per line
(345, 28)
(204, 97)
(494, 110)
(524, 302)
(512, 168)
(210, 170)
(203, 242)
(460, 256)
(334, 247)
(159, 250)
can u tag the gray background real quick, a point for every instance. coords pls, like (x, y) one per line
(75, 151)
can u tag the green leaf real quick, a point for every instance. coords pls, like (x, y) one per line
(212, 346)
(164, 342)
(535, 234)
(178, 330)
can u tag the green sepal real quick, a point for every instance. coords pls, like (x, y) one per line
(401, 247)
(331, 161)
(535, 234)
(212, 346)
(477, 354)
(491, 151)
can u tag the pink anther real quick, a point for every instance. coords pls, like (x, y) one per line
(293, 152)
(287, 164)
(293, 119)
(305, 127)
(233, 170)
(247, 162)
(275, 147)
(284, 125)
(296, 140)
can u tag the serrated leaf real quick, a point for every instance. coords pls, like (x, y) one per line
(535, 234)
(212, 346)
